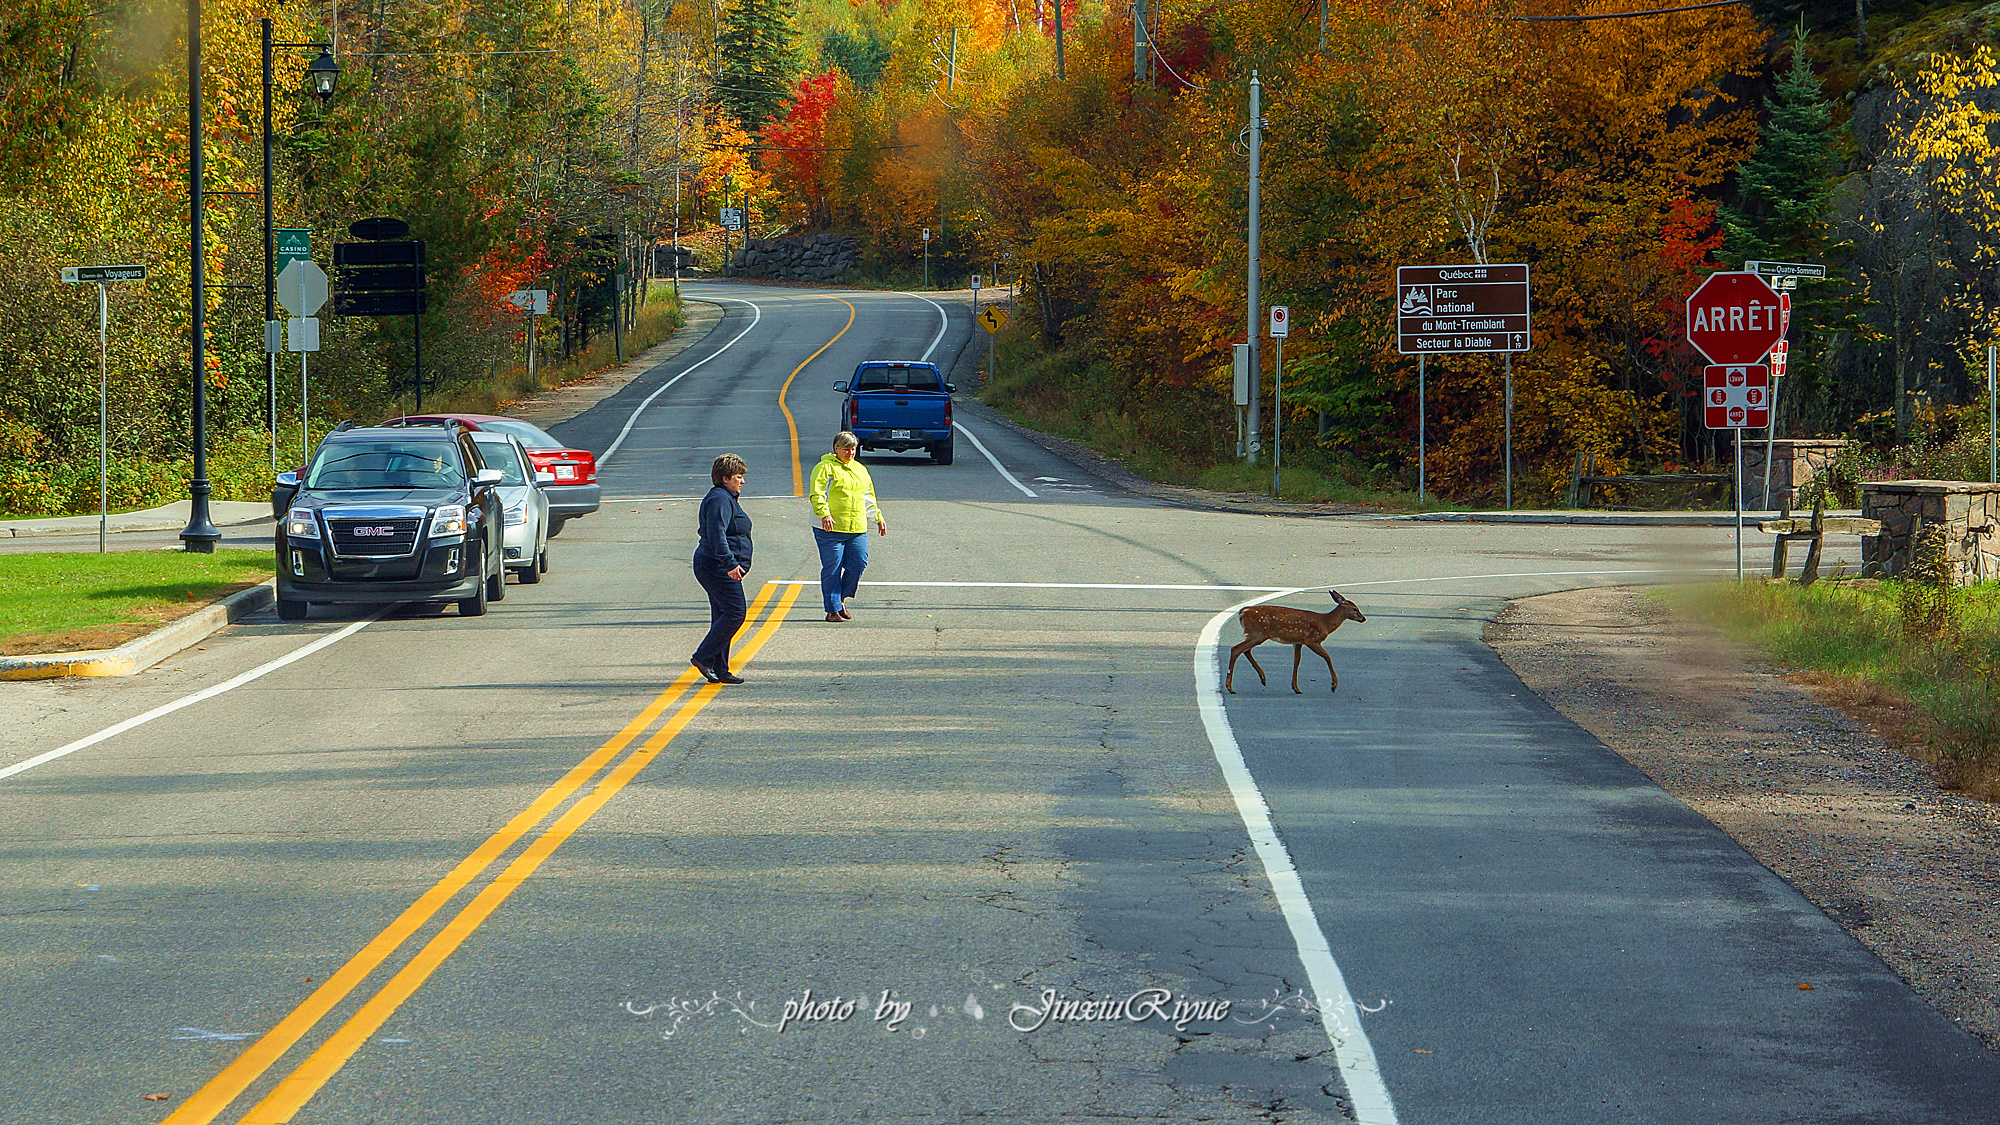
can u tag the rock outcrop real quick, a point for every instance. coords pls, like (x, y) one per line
(823, 256)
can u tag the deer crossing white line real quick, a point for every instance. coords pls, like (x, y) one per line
(1301, 628)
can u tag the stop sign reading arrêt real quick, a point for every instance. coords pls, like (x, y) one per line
(1733, 318)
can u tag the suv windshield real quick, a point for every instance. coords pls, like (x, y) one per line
(530, 436)
(386, 464)
(500, 455)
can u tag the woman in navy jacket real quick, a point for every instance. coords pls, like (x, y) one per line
(721, 559)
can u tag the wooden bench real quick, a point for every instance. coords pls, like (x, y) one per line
(1811, 531)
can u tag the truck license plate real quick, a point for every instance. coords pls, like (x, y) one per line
(899, 433)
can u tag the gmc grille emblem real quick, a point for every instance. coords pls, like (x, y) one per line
(374, 531)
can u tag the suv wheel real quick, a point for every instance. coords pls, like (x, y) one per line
(496, 584)
(475, 606)
(555, 527)
(289, 610)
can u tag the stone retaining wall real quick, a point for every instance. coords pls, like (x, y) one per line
(1970, 511)
(823, 256)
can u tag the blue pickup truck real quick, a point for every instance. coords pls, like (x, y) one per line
(900, 405)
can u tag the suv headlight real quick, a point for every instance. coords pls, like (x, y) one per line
(301, 524)
(449, 519)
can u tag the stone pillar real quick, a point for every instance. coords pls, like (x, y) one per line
(1969, 510)
(1795, 462)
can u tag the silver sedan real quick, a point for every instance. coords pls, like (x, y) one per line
(527, 537)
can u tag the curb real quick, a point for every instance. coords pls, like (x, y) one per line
(136, 656)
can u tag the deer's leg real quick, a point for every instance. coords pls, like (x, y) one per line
(1229, 678)
(1333, 675)
(1297, 652)
(1253, 663)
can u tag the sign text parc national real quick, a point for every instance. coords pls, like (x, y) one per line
(1453, 310)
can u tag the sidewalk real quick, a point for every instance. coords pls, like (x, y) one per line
(167, 517)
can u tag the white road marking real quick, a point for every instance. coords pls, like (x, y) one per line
(629, 422)
(1054, 586)
(1354, 1055)
(981, 447)
(944, 322)
(190, 700)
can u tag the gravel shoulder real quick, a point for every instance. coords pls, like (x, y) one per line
(1913, 872)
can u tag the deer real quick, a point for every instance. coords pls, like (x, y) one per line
(1301, 628)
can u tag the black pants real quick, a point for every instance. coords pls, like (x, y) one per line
(726, 610)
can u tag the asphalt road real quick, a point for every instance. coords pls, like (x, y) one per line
(518, 869)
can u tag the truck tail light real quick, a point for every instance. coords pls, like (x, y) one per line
(853, 413)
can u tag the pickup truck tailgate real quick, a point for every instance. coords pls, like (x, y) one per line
(901, 410)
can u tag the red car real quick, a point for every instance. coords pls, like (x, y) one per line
(574, 493)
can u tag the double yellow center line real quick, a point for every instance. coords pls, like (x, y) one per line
(299, 1087)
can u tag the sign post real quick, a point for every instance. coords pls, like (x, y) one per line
(1281, 327)
(1734, 318)
(77, 275)
(301, 288)
(534, 302)
(1465, 310)
(1737, 397)
(927, 257)
(991, 319)
(1240, 356)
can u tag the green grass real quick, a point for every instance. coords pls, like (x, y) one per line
(57, 594)
(1938, 694)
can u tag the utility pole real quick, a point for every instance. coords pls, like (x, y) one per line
(1255, 442)
(1140, 53)
(1059, 43)
(951, 75)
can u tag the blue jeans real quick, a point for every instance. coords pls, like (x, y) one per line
(843, 555)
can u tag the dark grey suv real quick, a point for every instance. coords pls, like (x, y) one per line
(390, 515)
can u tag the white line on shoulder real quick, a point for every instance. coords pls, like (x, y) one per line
(758, 314)
(190, 700)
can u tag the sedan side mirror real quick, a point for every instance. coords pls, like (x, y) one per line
(487, 476)
(841, 386)
(545, 478)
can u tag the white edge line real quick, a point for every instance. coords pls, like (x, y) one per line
(981, 447)
(1354, 1055)
(944, 322)
(629, 422)
(190, 700)
(1261, 589)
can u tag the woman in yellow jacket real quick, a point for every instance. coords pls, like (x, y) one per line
(843, 497)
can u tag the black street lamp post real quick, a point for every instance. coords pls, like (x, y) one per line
(200, 534)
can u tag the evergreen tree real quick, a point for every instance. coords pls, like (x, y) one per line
(760, 58)
(1785, 187)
